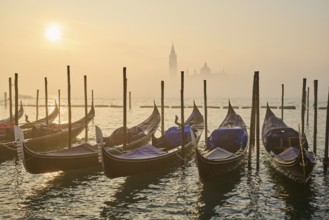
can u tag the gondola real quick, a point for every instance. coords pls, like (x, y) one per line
(45, 138)
(225, 148)
(78, 157)
(51, 117)
(287, 149)
(6, 126)
(165, 151)
(6, 134)
(19, 115)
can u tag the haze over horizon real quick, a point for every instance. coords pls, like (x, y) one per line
(285, 40)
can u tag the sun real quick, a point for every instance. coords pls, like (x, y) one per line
(53, 32)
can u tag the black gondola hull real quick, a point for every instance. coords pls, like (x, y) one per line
(38, 163)
(47, 142)
(118, 167)
(51, 117)
(298, 168)
(78, 157)
(219, 167)
(212, 169)
(293, 169)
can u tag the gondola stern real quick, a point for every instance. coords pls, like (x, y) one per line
(19, 139)
(100, 141)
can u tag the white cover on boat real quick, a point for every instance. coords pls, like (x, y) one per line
(218, 153)
(147, 151)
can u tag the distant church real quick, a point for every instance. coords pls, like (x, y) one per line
(172, 62)
(204, 71)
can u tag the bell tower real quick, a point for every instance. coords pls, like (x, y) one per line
(172, 62)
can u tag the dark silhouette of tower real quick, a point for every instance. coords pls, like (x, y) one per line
(172, 62)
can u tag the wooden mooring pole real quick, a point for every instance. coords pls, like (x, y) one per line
(182, 112)
(69, 104)
(37, 106)
(162, 107)
(59, 106)
(282, 100)
(124, 107)
(129, 100)
(5, 100)
(252, 124)
(46, 99)
(315, 115)
(257, 125)
(205, 111)
(307, 105)
(10, 101)
(86, 108)
(92, 97)
(303, 105)
(326, 143)
(16, 99)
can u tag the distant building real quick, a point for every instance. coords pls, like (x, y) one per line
(205, 70)
(172, 62)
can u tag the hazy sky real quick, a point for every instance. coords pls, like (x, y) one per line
(285, 40)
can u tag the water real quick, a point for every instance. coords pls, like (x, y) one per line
(177, 193)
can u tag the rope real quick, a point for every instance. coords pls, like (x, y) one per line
(9, 145)
(178, 155)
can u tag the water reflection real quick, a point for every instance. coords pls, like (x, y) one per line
(299, 198)
(215, 193)
(157, 195)
(55, 188)
(134, 190)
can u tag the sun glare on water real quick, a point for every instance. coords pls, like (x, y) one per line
(53, 32)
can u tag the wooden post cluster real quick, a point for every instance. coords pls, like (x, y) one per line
(205, 111)
(124, 108)
(315, 115)
(182, 112)
(162, 107)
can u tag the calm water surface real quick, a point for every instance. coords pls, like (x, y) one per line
(177, 193)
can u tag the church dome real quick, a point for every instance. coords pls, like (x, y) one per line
(205, 69)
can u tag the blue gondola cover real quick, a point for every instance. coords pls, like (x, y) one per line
(231, 139)
(174, 135)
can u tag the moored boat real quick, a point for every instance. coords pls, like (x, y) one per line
(46, 137)
(225, 148)
(19, 115)
(77, 157)
(51, 117)
(165, 151)
(287, 149)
